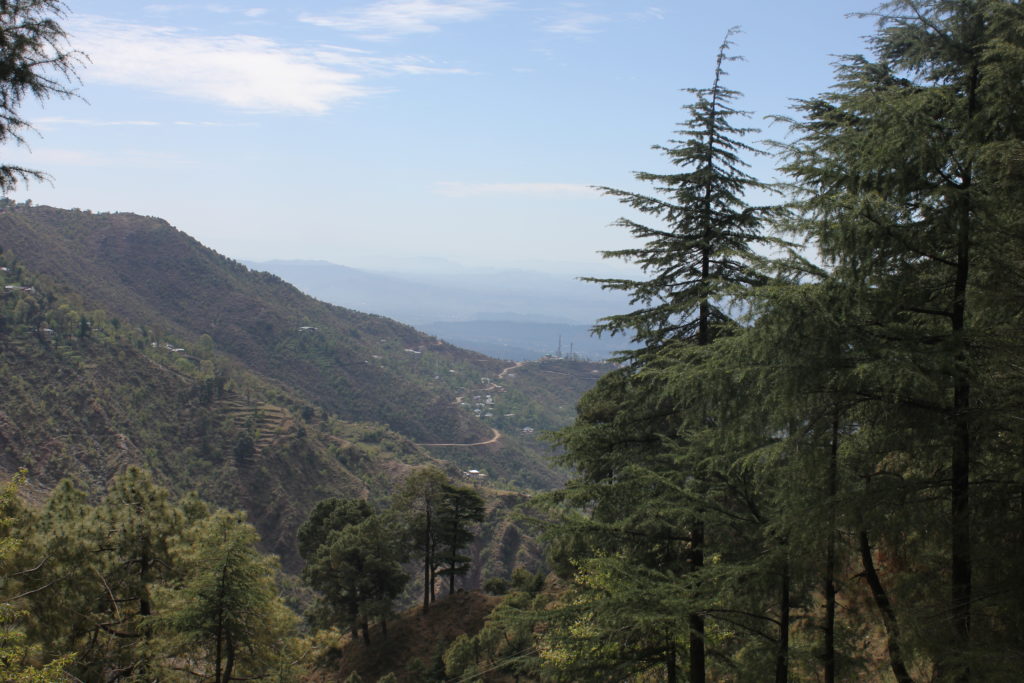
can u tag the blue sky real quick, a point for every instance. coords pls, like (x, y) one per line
(370, 133)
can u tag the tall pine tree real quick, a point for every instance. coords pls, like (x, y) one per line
(910, 166)
(626, 438)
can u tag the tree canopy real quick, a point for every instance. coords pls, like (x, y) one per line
(36, 60)
(836, 464)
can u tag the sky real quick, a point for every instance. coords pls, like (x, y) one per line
(391, 133)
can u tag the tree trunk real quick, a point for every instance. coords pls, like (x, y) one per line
(428, 561)
(829, 656)
(671, 668)
(782, 654)
(217, 658)
(218, 649)
(144, 606)
(960, 555)
(365, 626)
(696, 621)
(353, 620)
(892, 627)
(696, 624)
(229, 667)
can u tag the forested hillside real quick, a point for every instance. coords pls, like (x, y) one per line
(112, 396)
(126, 342)
(165, 286)
(358, 366)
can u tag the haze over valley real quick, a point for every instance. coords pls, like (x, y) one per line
(504, 313)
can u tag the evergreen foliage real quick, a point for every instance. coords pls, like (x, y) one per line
(420, 499)
(354, 561)
(842, 459)
(460, 509)
(34, 60)
(225, 621)
(17, 651)
(625, 439)
(139, 587)
(705, 245)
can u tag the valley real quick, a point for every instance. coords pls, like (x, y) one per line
(126, 342)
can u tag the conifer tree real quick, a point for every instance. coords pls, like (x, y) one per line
(92, 595)
(626, 435)
(354, 559)
(908, 170)
(420, 499)
(704, 245)
(460, 510)
(16, 649)
(225, 619)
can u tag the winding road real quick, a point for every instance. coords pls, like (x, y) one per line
(496, 436)
(493, 439)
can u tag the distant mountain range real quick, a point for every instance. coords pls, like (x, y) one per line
(508, 314)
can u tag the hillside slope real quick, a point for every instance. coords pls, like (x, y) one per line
(123, 341)
(361, 367)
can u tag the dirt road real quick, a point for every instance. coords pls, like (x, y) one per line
(493, 439)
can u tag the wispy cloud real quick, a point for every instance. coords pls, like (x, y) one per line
(45, 122)
(390, 18)
(52, 121)
(254, 12)
(212, 124)
(462, 189)
(164, 9)
(369, 63)
(577, 23)
(128, 158)
(241, 71)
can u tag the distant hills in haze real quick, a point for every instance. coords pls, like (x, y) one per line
(509, 314)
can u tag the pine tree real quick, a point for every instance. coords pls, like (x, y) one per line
(92, 595)
(420, 498)
(354, 561)
(627, 434)
(16, 649)
(226, 619)
(909, 166)
(460, 510)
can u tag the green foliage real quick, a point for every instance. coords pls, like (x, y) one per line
(225, 621)
(419, 499)
(92, 591)
(17, 652)
(505, 646)
(332, 514)
(848, 437)
(354, 563)
(141, 588)
(36, 61)
(496, 585)
(706, 243)
(459, 510)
